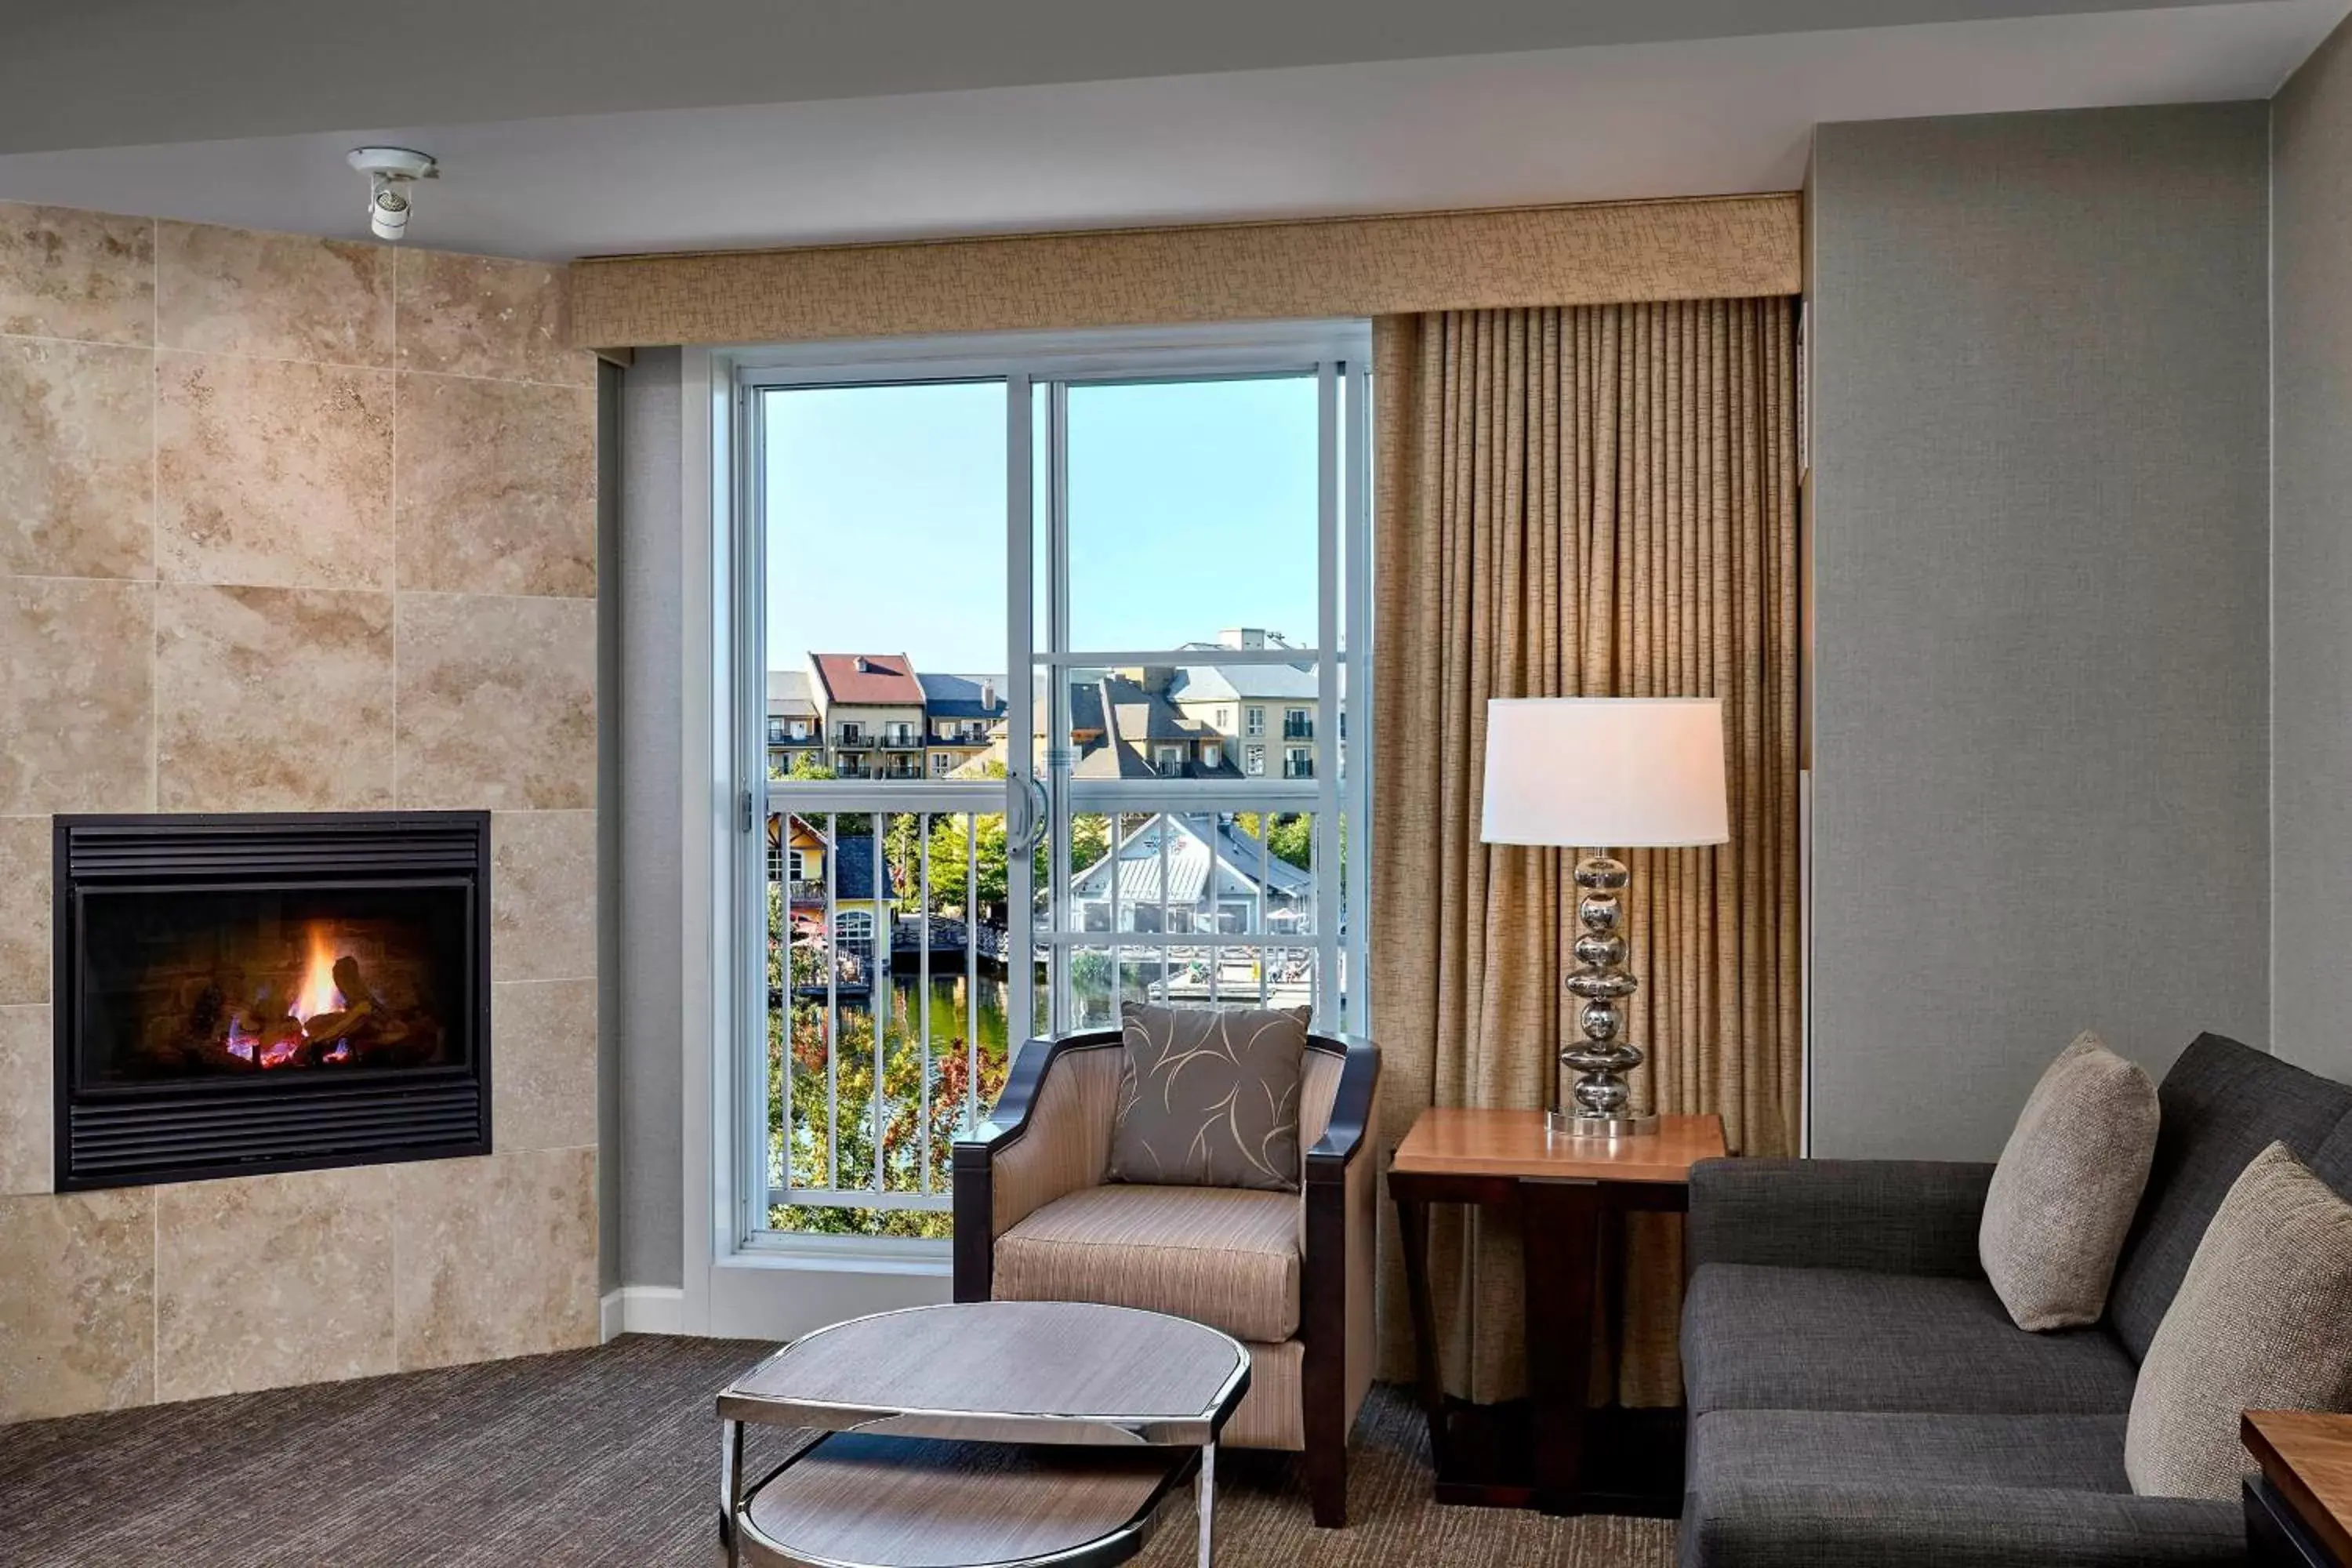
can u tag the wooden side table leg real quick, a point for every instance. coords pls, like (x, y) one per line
(1560, 1231)
(1412, 1227)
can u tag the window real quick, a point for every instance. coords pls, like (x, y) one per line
(1297, 762)
(775, 730)
(800, 730)
(1089, 518)
(853, 942)
(1298, 724)
(799, 861)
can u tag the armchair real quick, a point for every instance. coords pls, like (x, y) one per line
(1292, 1278)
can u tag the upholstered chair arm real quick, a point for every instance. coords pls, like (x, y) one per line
(1886, 1217)
(1340, 1200)
(1048, 1136)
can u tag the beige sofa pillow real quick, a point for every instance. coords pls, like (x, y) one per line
(2068, 1183)
(2263, 1321)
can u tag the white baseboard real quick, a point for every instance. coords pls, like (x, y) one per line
(642, 1309)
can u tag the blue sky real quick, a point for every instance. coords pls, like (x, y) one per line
(1191, 509)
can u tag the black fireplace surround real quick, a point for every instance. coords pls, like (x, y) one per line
(242, 994)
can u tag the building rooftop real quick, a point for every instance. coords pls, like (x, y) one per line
(963, 696)
(1243, 683)
(880, 679)
(788, 694)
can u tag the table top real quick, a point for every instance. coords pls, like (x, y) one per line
(895, 1503)
(2309, 1457)
(1459, 1140)
(1003, 1371)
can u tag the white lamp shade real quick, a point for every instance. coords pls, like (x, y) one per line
(1603, 773)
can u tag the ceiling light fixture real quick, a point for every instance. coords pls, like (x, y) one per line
(390, 172)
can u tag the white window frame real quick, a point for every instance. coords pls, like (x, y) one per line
(733, 1286)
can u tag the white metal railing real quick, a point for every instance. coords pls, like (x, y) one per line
(868, 1084)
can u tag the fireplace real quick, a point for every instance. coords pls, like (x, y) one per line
(269, 993)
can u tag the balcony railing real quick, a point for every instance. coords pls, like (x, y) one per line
(1298, 728)
(1298, 770)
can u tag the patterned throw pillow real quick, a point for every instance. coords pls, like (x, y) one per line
(2068, 1183)
(1209, 1097)
(2263, 1321)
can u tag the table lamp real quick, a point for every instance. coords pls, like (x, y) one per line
(1603, 773)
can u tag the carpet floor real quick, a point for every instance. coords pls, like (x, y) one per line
(610, 1458)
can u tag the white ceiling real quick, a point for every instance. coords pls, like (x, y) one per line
(1687, 116)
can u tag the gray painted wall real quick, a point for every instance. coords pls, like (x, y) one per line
(2311, 604)
(642, 880)
(2040, 563)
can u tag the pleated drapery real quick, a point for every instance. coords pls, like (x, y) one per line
(1589, 501)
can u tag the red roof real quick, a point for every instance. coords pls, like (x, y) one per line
(867, 679)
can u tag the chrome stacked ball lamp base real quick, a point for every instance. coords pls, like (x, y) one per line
(1602, 1101)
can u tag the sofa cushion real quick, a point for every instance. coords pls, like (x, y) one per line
(2068, 1182)
(2222, 1105)
(1208, 1097)
(2263, 1322)
(1780, 1489)
(1757, 1337)
(1215, 1255)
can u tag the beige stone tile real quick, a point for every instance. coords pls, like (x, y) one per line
(480, 315)
(262, 1281)
(284, 296)
(70, 274)
(77, 1302)
(273, 473)
(24, 966)
(27, 1113)
(543, 895)
(77, 459)
(542, 1064)
(272, 698)
(497, 486)
(497, 1255)
(76, 686)
(498, 702)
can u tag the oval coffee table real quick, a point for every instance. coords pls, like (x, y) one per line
(982, 1435)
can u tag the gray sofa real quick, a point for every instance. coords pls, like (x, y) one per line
(1858, 1394)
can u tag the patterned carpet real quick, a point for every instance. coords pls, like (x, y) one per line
(608, 1458)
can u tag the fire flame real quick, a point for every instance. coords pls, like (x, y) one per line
(317, 993)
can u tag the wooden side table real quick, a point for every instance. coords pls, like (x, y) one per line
(2299, 1509)
(1572, 1198)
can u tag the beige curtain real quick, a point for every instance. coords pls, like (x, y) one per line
(1599, 500)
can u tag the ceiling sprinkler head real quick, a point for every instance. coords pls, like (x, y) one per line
(390, 172)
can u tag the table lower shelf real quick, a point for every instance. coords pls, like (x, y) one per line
(1632, 1460)
(852, 1500)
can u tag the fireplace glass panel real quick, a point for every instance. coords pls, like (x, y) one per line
(260, 983)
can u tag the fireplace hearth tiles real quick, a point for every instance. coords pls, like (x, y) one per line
(24, 910)
(289, 358)
(83, 506)
(77, 722)
(27, 1119)
(232, 664)
(77, 1302)
(497, 1257)
(240, 1267)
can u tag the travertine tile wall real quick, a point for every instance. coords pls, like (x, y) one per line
(293, 524)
